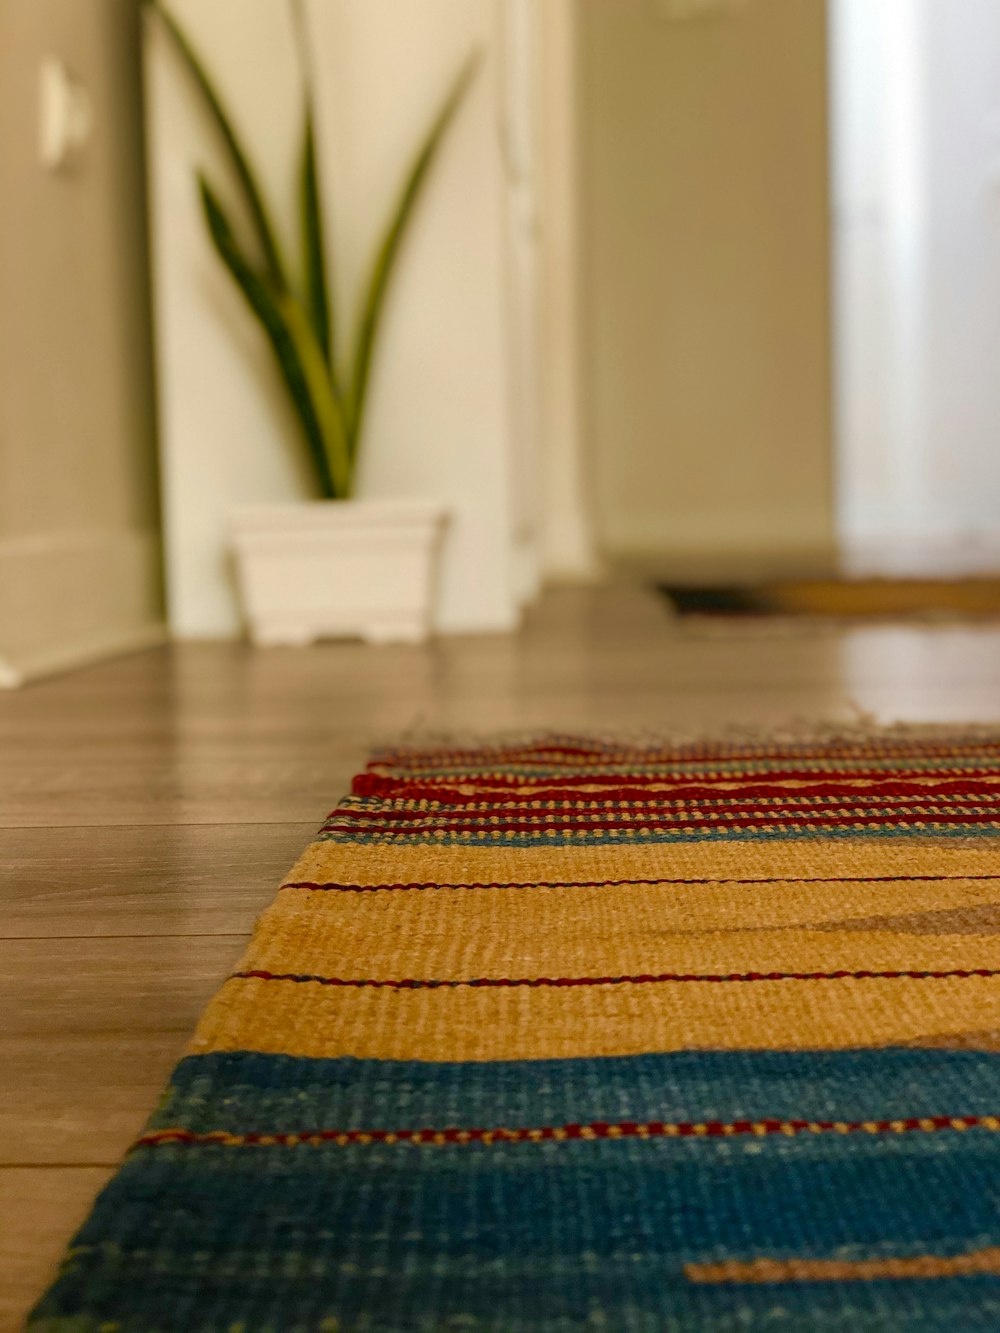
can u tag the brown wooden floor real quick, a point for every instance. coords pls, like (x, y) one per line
(149, 806)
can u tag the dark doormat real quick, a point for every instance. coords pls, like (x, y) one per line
(849, 598)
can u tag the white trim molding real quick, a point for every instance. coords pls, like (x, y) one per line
(568, 551)
(67, 599)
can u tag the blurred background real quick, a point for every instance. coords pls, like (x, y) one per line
(697, 291)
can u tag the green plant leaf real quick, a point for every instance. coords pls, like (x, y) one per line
(266, 234)
(323, 395)
(318, 292)
(388, 249)
(267, 309)
(313, 247)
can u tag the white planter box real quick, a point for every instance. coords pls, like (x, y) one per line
(338, 569)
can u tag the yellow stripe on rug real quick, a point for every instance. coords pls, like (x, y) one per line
(308, 1019)
(839, 858)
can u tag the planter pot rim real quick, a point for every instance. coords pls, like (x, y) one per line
(294, 515)
(388, 506)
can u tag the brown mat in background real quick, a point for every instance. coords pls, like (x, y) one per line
(840, 598)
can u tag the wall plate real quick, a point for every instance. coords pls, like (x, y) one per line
(65, 117)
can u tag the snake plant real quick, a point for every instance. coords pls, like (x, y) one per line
(295, 307)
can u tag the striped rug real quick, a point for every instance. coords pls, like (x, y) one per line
(573, 1035)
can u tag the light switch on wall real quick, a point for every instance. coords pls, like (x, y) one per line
(65, 117)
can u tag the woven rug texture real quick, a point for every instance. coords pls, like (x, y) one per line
(571, 1034)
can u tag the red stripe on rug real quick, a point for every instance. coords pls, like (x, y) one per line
(640, 979)
(370, 784)
(930, 788)
(623, 1129)
(320, 886)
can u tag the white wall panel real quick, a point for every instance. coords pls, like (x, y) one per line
(438, 423)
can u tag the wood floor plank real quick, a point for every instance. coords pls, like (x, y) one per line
(160, 880)
(90, 1031)
(81, 1098)
(233, 788)
(40, 1209)
(100, 986)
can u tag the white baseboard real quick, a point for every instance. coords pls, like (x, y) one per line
(69, 599)
(112, 643)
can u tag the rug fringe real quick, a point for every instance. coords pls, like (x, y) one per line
(795, 730)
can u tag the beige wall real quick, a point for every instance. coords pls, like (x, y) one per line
(705, 275)
(77, 505)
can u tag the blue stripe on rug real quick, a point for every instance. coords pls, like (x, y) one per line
(246, 1092)
(550, 1237)
(555, 1236)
